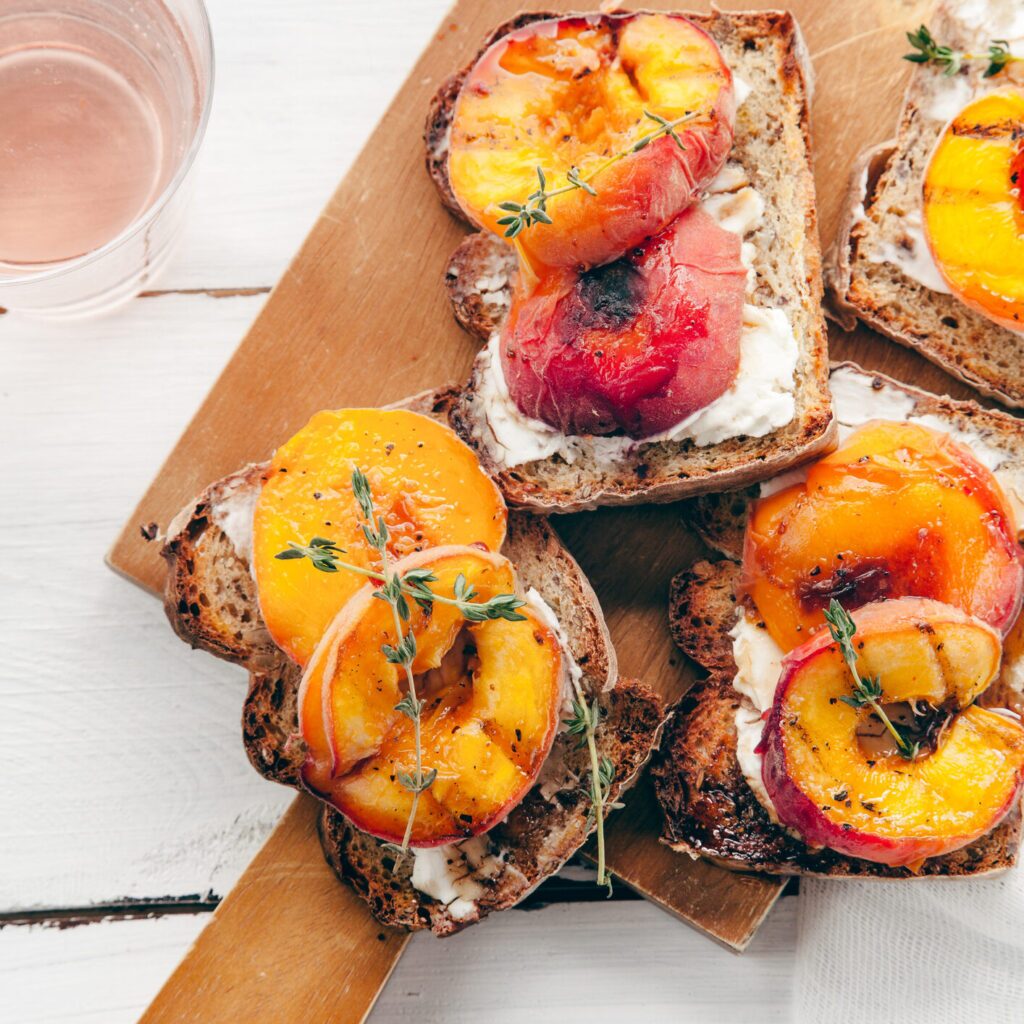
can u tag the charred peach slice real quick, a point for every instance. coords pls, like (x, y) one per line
(426, 483)
(571, 93)
(493, 690)
(638, 344)
(932, 659)
(974, 206)
(897, 510)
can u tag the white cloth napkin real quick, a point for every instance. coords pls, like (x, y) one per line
(930, 951)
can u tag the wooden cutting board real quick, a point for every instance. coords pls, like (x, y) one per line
(360, 318)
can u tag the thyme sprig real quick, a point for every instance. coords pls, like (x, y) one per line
(415, 584)
(584, 723)
(402, 653)
(928, 51)
(866, 690)
(395, 590)
(534, 210)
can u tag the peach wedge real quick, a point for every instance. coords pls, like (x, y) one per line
(934, 659)
(897, 510)
(492, 690)
(426, 484)
(974, 206)
(566, 95)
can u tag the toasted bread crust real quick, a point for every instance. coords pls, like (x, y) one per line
(708, 806)
(884, 188)
(214, 612)
(479, 281)
(207, 573)
(667, 471)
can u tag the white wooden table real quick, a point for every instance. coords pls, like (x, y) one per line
(124, 779)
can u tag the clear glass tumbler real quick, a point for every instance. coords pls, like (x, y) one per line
(103, 105)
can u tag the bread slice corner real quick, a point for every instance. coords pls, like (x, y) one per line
(772, 143)
(884, 190)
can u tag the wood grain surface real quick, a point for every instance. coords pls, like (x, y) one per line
(360, 318)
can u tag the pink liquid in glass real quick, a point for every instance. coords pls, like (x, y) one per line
(96, 112)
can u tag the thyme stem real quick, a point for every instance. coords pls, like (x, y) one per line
(866, 691)
(411, 681)
(534, 210)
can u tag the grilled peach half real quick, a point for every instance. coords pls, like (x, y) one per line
(974, 206)
(638, 344)
(933, 659)
(571, 93)
(426, 483)
(493, 690)
(897, 510)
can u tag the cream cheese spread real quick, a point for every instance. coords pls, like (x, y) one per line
(234, 515)
(452, 874)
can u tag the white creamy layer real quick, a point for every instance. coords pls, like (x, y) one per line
(760, 399)
(915, 259)
(451, 874)
(234, 515)
(758, 657)
(573, 673)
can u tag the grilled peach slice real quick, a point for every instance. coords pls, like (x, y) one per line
(493, 690)
(931, 658)
(637, 344)
(897, 510)
(974, 206)
(571, 93)
(426, 484)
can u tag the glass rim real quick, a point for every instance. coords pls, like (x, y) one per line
(150, 213)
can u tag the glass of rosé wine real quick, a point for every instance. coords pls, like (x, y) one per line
(103, 105)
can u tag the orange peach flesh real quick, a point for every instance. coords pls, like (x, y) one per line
(568, 93)
(491, 714)
(898, 509)
(974, 206)
(893, 810)
(426, 483)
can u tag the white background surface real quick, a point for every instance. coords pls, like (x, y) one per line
(123, 772)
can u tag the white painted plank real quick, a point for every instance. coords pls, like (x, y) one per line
(102, 973)
(124, 773)
(589, 963)
(300, 86)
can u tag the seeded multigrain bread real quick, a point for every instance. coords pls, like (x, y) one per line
(210, 599)
(771, 143)
(709, 809)
(883, 216)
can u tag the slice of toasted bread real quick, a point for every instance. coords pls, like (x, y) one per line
(709, 808)
(885, 190)
(772, 145)
(211, 602)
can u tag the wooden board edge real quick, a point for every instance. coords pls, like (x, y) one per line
(253, 961)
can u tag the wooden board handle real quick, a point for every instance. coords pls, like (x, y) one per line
(288, 943)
